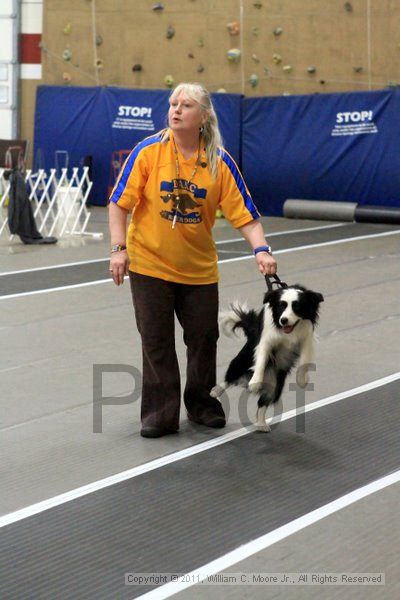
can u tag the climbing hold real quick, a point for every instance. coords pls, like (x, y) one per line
(67, 29)
(219, 214)
(277, 58)
(169, 81)
(392, 84)
(234, 55)
(221, 90)
(159, 6)
(99, 64)
(254, 80)
(278, 31)
(190, 55)
(99, 40)
(311, 69)
(137, 67)
(67, 54)
(170, 32)
(357, 69)
(233, 28)
(348, 6)
(200, 68)
(322, 81)
(257, 4)
(67, 77)
(255, 31)
(200, 42)
(287, 68)
(255, 58)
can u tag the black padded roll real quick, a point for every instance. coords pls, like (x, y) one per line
(377, 214)
(319, 209)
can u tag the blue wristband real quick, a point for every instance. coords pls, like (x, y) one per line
(262, 249)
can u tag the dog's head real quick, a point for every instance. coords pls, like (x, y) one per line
(293, 304)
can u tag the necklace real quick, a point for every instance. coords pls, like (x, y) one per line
(178, 178)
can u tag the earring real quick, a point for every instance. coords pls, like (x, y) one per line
(201, 129)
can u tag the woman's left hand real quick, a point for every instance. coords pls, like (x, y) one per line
(266, 263)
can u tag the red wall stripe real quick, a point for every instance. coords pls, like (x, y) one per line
(29, 48)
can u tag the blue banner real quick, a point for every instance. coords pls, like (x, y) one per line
(95, 121)
(341, 147)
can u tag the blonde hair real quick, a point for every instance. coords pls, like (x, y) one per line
(211, 133)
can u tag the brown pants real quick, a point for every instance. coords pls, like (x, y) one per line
(156, 302)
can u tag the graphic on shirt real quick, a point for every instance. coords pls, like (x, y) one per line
(181, 201)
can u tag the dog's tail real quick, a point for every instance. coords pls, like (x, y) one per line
(239, 317)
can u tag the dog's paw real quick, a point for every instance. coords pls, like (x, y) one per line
(217, 391)
(302, 378)
(254, 386)
(263, 427)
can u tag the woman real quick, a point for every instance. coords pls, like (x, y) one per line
(174, 182)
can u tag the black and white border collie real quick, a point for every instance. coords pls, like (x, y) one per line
(279, 336)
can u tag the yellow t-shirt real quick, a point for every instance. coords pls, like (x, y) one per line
(147, 184)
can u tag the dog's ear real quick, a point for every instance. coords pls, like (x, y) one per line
(314, 297)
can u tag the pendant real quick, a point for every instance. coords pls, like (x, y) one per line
(178, 199)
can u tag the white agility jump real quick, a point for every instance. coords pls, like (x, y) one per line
(58, 203)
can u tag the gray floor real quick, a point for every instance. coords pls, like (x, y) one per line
(249, 487)
(53, 339)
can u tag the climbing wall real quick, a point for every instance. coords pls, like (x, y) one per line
(269, 47)
(265, 47)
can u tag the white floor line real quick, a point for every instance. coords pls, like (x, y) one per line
(97, 260)
(244, 252)
(227, 260)
(288, 232)
(61, 266)
(57, 289)
(263, 542)
(319, 245)
(180, 455)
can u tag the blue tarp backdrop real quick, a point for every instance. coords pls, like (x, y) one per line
(341, 147)
(96, 121)
(323, 147)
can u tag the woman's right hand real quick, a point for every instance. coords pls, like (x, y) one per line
(119, 264)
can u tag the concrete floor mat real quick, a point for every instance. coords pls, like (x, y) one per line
(184, 515)
(96, 271)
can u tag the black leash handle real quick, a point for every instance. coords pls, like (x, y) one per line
(277, 282)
